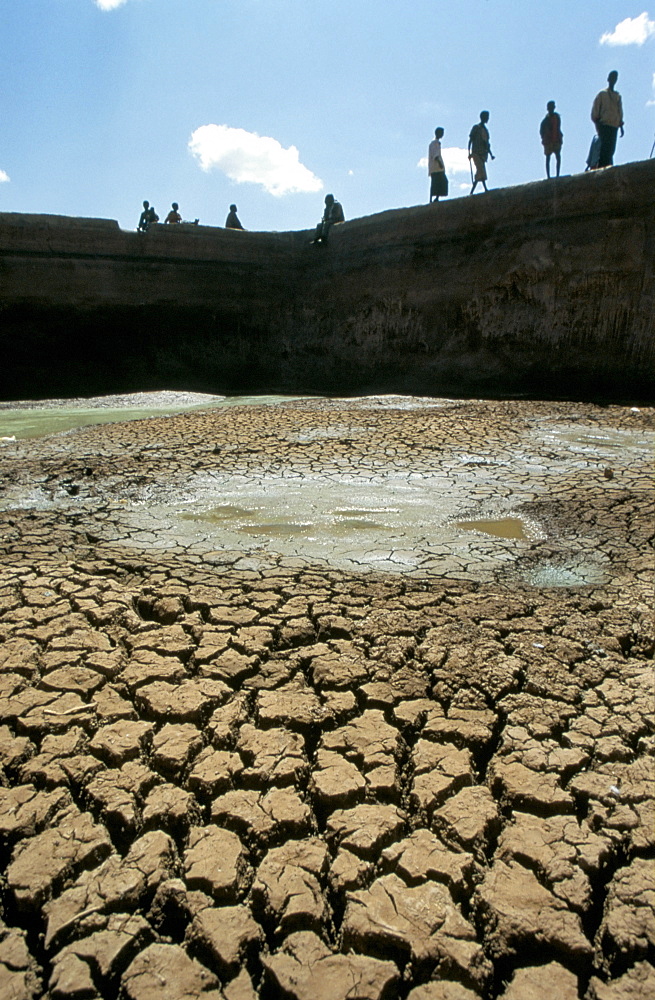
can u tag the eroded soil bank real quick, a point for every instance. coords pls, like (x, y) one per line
(271, 769)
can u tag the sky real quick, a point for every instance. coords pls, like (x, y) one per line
(271, 104)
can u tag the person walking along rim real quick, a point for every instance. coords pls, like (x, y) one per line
(479, 150)
(607, 116)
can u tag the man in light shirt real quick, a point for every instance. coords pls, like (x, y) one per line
(607, 116)
(436, 168)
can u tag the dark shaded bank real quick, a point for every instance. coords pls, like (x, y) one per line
(546, 290)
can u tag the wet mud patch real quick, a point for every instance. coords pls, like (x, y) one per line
(416, 487)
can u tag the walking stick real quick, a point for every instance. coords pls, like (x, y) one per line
(652, 150)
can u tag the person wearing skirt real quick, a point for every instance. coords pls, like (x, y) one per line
(436, 168)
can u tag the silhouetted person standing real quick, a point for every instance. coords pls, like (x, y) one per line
(480, 150)
(173, 216)
(436, 168)
(232, 221)
(607, 116)
(552, 136)
(331, 216)
(143, 218)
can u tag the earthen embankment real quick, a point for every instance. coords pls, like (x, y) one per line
(546, 289)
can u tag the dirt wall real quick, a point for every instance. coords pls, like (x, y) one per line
(546, 289)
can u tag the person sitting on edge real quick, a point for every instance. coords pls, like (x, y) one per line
(480, 150)
(152, 216)
(551, 134)
(607, 116)
(332, 215)
(436, 168)
(144, 218)
(232, 221)
(173, 216)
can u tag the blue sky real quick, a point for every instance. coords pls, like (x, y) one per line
(273, 103)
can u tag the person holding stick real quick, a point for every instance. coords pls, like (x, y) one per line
(479, 149)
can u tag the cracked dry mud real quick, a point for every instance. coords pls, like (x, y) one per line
(238, 773)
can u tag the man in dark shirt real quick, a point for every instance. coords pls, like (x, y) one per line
(144, 218)
(550, 131)
(331, 216)
(232, 221)
(480, 150)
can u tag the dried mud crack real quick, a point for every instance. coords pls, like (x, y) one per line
(238, 772)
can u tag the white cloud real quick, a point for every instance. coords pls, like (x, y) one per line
(456, 160)
(631, 31)
(109, 4)
(248, 158)
(4, 177)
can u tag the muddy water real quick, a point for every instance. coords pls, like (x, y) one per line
(506, 527)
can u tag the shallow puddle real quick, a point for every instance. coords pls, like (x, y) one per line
(564, 576)
(40, 421)
(506, 527)
(605, 443)
(275, 529)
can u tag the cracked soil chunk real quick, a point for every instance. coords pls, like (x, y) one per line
(443, 990)
(564, 852)
(305, 969)
(214, 771)
(188, 701)
(468, 820)
(24, 811)
(519, 913)
(227, 933)
(287, 885)
(439, 772)
(120, 741)
(421, 923)
(249, 813)
(106, 953)
(18, 970)
(638, 983)
(59, 852)
(366, 829)
(215, 862)
(124, 881)
(292, 708)
(174, 746)
(627, 932)
(165, 972)
(348, 871)
(271, 756)
(542, 982)
(336, 782)
(423, 856)
(170, 808)
(520, 787)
